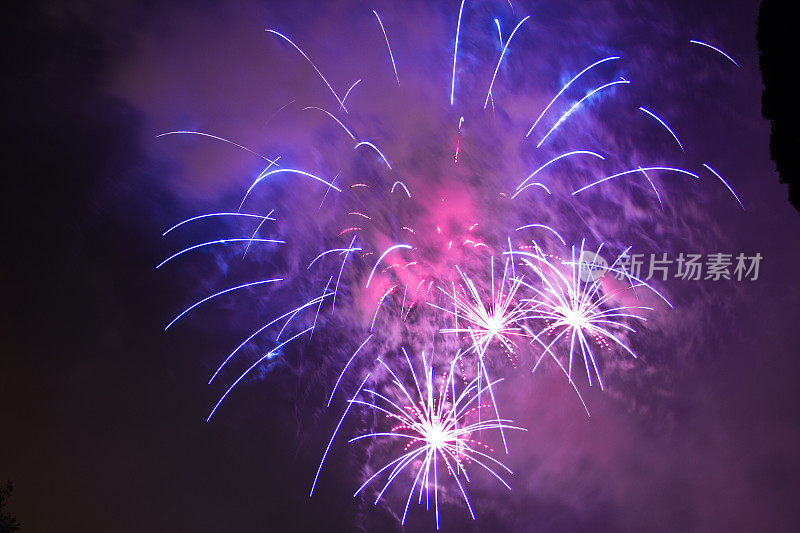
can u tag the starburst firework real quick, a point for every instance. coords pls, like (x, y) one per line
(435, 429)
(576, 306)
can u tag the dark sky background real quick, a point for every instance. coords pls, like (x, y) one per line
(102, 413)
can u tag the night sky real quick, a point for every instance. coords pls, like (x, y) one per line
(102, 412)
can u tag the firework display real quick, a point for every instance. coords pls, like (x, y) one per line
(437, 427)
(480, 277)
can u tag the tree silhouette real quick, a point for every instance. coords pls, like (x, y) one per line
(776, 37)
(8, 524)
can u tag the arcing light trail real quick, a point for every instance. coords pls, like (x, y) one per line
(455, 51)
(724, 183)
(269, 354)
(666, 126)
(544, 226)
(367, 143)
(576, 105)
(257, 332)
(344, 98)
(222, 139)
(265, 175)
(218, 241)
(282, 36)
(568, 154)
(634, 171)
(403, 186)
(220, 293)
(532, 184)
(384, 254)
(499, 61)
(653, 185)
(401, 250)
(207, 215)
(719, 51)
(566, 86)
(391, 55)
(334, 117)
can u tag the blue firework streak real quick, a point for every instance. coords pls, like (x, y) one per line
(374, 240)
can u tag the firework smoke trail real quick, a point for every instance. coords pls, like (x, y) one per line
(404, 220)
(436, 427)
